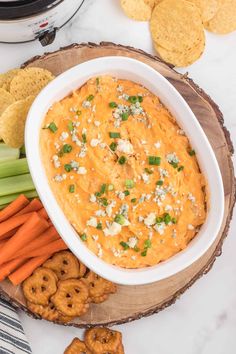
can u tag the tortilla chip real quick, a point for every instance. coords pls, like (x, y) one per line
(6, 99)
(208, 8)
(176, 25)
(224, 20)
(5, 79)
(139, 10)
(183, 58)
(12, 122)
(29, 81)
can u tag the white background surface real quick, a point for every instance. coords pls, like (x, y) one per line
(203, 321)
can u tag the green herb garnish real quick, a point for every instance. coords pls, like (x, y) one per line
(154, 160)
(97, 81)
(71, 188)
(84, 138)
(122, 160)
(147, 244)
(98, 194)
(167, 218)
(192, 152)
(126, 193)
(136, 249)
(78, 112)
(120, 219)
(113, 146)
(83, 237)
(159, 183)
(180, 168)
(114, 135)
(174, 164)
(70, 126)
(174, 221)
(133, 200)
(103, 188)
(52, 126)
(113, 104)
(124, 116)
(133, 99)
(159, 220)
(124, 245)
(140, 99)
(148, 171)
(144, 253)
(66, 148)
(90, 98)
(129, 183)
(99, 226)
(103, 201)
(67, 167)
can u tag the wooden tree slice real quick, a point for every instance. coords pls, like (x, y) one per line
(130, 303)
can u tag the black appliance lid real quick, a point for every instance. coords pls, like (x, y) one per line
(16, 9)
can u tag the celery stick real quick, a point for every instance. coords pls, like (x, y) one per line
(16, 184)
(13, 168)
(8, 153)
(5, 200)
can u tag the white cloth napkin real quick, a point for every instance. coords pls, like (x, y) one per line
(12, 337)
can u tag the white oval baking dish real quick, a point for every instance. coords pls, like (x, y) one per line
(134, 70)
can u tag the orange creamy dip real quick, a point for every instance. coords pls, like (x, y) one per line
(135, 197)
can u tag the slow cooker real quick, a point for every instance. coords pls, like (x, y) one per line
(27, 20)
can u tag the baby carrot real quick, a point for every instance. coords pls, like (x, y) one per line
(18, 204)
(10, 266)
(27, 269)
(34, 205)
(42, 212)
(13, 222)
(52, 247)
(33, 227)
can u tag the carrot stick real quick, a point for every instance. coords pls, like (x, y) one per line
(13, 222)
(2, 243)
(42, 240)
(9, 233)
(10, 266)
(34, 205)
(27, 269)
(18, 204)
(33, 227)
(42, 212)
(52, 247)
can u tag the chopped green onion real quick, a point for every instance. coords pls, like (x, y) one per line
(52, 126)
(129, 183)
(180, 168)
(133, 99)
(122, 160)
(67, 148)
(71, 188)
(140, 99)
(103, 188)
(147, 244)
(110, 187)
(124, 116)
(67, 167)
(113, 104)
(136, 249)
(78, 112)
(159, 219)
(98, 194)
(84, 138)
(133, 200)
(120, 219)
(83, 237)
(126, 193)
(97, 81)
(159, 183)
(99, 226)
(174, 221)
(154, 160)
(114, 135)
(174, 164)
(113, 146)
(167, 218)
(70, 126)
(144, 253)
(192, 152)
(148, 171)
(124, 245)
(103, 201)
(90, 98)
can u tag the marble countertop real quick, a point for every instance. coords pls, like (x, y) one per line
(203, 321)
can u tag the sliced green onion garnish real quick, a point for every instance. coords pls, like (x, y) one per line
(133, 200)
(99, 226)
(71, 188)
(103, 188)
(103, 201)
(144, 253)
(98, 194)
(122, 160)
(159, 219)
(78, 112)
(174, 221)
(97, 81)
(83, 237)
(67, 148)
(68, 167)
(159, 183)
(114, 135)
(84, 138)
(90, 98)
(148, 171)
(113, 104)
(120, 219)
(124, 245)
(174, 164)
(52, 126)
(70, 126)
(147, 244)
(126, 193)
(192, 152)
(140, 98)
(113, 146)
(133, 99)
(167, 218)
(154, 160)
(124, 116)
(129, 183)
(180, 168)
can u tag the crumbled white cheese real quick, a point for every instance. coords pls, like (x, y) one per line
(120, 88)
(94, 142)
(93, 198)
(121, 195)
(95, 237)
(57, 146)
(84, 131)
(191, 197)
(74, 164)
(109, 208)
(86, 104)
(150, 219)
(102, 145)
(143, 142)
(172, 158)
(113, 230)
(64, 136)
(190, 227)
(160, 228)
(168, 208)
(59, 178)
(125, 146)
(100, 213)
(100, 252)
(82, 171)
(92, 222)
(163, 172)
(146, 178)
(132, 242)
(56, 161)
(97, 123)
(157, 145)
